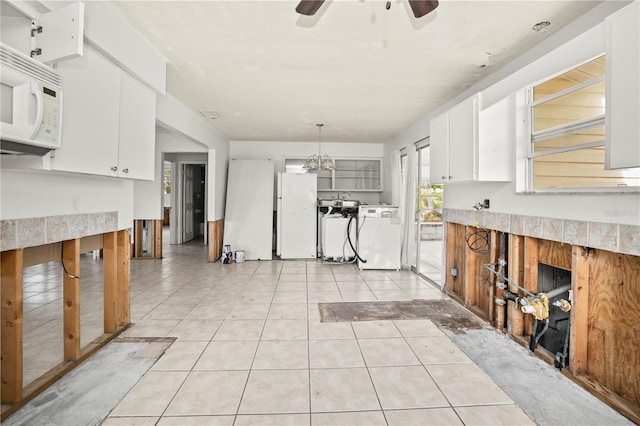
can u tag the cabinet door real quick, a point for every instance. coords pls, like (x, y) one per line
(623, 88)
(90, 115)
(439, 143)
(463, 140)
(137, 129)
(358, 175)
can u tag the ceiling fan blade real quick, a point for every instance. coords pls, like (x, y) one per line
(309, 7)
(422, 7)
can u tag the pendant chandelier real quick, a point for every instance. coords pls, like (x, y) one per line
(319, 161)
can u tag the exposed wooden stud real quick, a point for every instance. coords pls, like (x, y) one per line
(157, 239)
(470, 272)
(515, 317)
(495, 254)
(110, 268)
(450, 260)
(71, 298)
(12, 310)
(122, 291)
(137, 238)
(530, 276)
(578, 340)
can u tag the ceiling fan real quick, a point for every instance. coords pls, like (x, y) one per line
(419, 7)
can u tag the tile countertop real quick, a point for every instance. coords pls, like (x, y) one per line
(617, 238)
(36, 231)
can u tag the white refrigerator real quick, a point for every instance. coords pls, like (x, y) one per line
(297, 217)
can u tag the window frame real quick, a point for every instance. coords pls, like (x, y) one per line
(531, 136)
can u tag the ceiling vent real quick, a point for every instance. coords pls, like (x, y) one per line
(209, 114)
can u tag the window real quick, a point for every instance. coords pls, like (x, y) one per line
(567, 116)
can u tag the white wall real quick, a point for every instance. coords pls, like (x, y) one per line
(580, 41)
(148, 195)
(36, 194)
(279, 151)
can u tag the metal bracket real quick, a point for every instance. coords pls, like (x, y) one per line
(35, 52)
(36, 30)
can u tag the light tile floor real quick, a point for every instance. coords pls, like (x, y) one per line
(251, 349)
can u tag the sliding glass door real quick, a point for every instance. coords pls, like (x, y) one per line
(428, 218)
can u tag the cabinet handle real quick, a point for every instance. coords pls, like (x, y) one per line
(444, 177)
(450, 177)
(125, 170)
(114, 168)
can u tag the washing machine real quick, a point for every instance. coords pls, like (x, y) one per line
(379, 237)
(335, 247)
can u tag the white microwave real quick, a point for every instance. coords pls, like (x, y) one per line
(31, 104)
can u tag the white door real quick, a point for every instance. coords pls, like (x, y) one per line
(187, 198)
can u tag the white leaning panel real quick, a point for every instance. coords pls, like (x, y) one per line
(248, 221)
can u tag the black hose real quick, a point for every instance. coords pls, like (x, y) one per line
(349, 239)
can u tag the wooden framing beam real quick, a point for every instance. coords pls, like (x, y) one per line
(579, 310)
(495, 254)
(530, 276)
(469, 272)
(110, 265)
(450, 256)
(156, 251)
(515, 317)
(12, 351)
(137, 238)
(71, 298)
(123, 316)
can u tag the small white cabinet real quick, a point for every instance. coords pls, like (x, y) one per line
(89, 141)
(136, 135)
(108, 123)
(472, 145)
(622, 149)
(453, 142)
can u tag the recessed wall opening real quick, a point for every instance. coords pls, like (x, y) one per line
(554, 335)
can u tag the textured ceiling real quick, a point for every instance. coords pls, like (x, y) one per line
(363, 71)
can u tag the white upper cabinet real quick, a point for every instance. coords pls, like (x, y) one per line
(109, 120)
(463, 140)
(89, 141)
(468, 144)
(622, 147)
(136, 141)
(439, 143)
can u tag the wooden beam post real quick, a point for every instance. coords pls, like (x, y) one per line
(123, 316)
(515, 317)
(450, 250)
(157, 239)
(579, 310)
(71, 298)
(495, 254)
(137, 238)
(469, 272)
(110, 263)
(11, 273)
(530, 276)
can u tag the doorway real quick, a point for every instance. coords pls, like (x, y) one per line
(428, 218)
(193, 223)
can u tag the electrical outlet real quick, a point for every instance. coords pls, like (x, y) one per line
(486, 204)
(75, 202)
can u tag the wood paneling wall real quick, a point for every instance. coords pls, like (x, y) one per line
(613, 342)
(215, 233)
